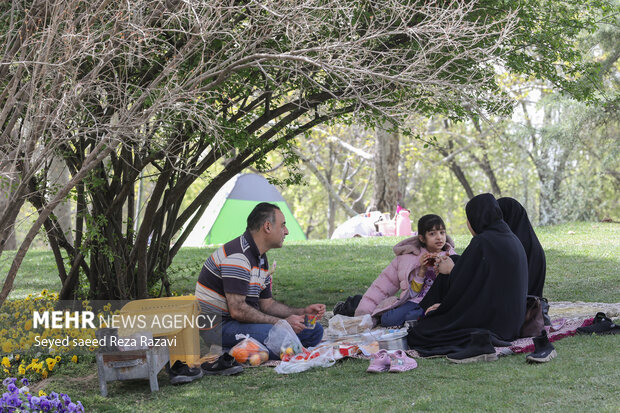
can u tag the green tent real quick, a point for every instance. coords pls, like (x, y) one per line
(225, 217)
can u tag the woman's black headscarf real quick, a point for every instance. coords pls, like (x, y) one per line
(486, 289)
(516, 218)
(482, 211)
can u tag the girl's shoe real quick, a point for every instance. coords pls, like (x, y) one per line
(400, 362)
(379, 362)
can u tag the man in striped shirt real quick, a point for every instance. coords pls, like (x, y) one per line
(235, 283)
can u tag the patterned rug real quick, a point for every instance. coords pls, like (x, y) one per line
(566, 318)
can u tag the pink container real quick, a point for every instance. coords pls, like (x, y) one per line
(403, 224)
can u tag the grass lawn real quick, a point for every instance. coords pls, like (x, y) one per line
(582, 265)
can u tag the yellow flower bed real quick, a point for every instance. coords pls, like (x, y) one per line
(19, 352)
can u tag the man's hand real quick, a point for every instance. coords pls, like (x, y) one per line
(432, 308)
(241, 311)
(297, 322)
(315, 309)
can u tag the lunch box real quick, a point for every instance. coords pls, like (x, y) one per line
(394, 341)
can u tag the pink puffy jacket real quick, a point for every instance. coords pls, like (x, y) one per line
(396, 276)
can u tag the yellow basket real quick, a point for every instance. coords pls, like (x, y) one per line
(182, 338)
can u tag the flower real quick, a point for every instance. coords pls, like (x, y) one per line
(51, 363)
(12, 388)
(34, 402)
(45, 405)
(8, 380)
(74, 358)
(21, 400)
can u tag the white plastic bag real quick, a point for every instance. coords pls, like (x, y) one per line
(249, 351)
(283, 340)
(341, 325)
(320, 356)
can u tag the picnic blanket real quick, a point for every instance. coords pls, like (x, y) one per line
(566, 317)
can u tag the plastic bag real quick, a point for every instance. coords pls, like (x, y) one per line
(282, 340)
(341, 325)
(249, 351)
(321, 356)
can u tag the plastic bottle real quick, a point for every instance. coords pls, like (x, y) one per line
(403, 223)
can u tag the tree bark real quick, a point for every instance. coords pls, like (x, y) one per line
(8, 241)
(387, 156)
(59, 176)
(458, 172)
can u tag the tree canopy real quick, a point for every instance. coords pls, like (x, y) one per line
(176, 90)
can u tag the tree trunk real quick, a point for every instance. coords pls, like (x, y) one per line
(387, 157)
(7, 234)
(8, 240)
(458, 172)
(59, 175)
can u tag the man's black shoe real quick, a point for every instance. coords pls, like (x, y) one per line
(225, 365)
(601, 325)
(182, 373)
(478, 349)
(543, 349)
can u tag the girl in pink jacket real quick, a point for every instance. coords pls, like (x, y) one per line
(412, 271)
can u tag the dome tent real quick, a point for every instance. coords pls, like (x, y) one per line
(225, 217)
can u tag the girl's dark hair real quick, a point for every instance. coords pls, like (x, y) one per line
(430, 222)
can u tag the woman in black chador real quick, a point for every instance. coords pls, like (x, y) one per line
(516, 218)
(484, 294)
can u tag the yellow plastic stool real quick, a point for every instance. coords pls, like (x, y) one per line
(172, 318)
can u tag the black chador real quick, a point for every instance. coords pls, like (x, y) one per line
(516, 218)
(486, 289)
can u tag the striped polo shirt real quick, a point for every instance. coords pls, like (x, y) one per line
(238, 268)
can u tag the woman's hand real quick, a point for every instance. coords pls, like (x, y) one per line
(432, 308)
(445, 264)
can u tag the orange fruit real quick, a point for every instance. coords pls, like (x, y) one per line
(251, 347)
(255, 359)
(240, 354)
(264, 356)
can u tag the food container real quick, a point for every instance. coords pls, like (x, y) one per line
(348, 350)
(387, 228)
(394, 341)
